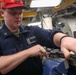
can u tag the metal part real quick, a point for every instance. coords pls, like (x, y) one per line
(57, 54)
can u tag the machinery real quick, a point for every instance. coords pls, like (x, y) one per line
(62, 18)
(55, 63)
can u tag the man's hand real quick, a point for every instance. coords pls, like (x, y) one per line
(68, 44)
(37, 50)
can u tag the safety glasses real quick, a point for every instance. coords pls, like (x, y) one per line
(14, 11)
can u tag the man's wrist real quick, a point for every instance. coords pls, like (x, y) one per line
(63, 37)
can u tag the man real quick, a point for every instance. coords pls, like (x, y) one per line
(22, 46)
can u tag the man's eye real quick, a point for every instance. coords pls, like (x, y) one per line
(13, 13)
(16, 13)
(20, 13)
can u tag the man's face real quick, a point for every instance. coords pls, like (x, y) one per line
(12, 17)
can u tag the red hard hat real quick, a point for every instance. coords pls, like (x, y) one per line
(12, 4)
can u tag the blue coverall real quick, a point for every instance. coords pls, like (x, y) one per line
(28, 37)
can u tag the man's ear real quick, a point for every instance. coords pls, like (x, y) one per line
(2, 13)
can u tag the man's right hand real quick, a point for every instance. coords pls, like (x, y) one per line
(37, 50)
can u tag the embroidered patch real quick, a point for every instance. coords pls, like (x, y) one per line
(12, 0)
(17, 1)
(31, 40)
(1, 4)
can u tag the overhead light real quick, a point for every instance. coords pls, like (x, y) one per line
(44, 3)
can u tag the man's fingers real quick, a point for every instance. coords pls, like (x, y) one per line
(42, 50)
(65, 52)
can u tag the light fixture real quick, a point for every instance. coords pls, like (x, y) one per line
(44, 3)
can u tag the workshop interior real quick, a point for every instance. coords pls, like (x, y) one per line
(52, 14)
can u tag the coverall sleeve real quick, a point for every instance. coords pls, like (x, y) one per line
(45, 37)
